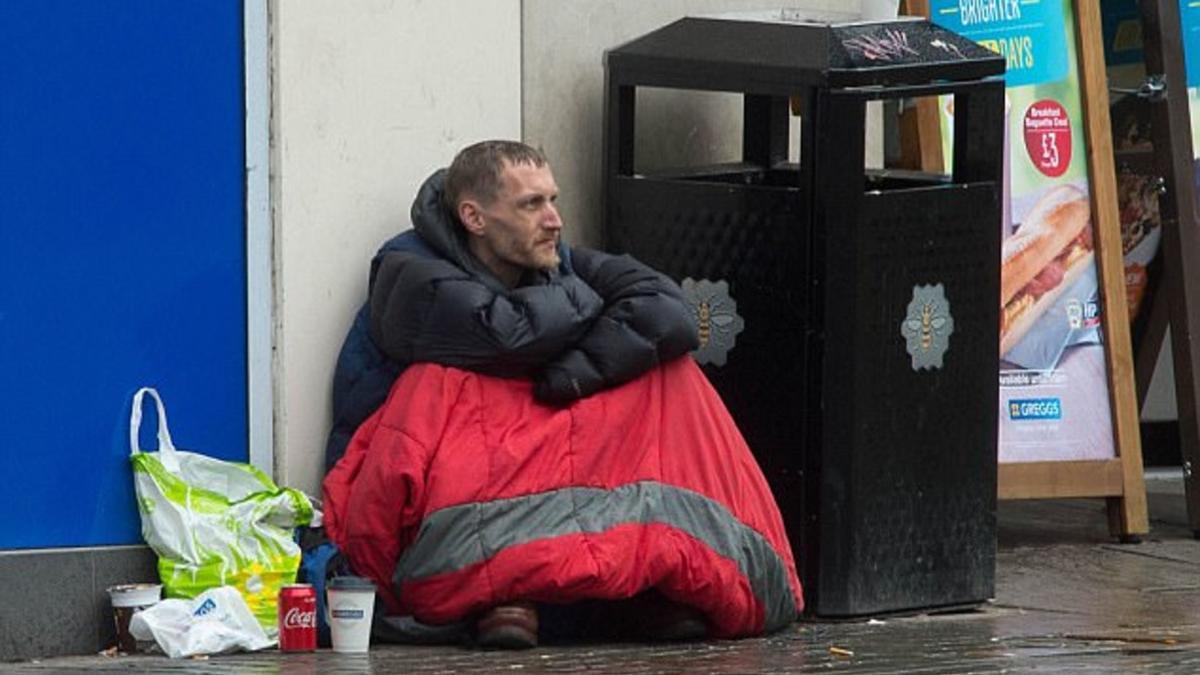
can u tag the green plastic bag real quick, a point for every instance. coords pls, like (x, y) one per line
(215, 523)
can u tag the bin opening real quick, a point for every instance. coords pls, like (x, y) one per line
(719, 136)
(917, 135)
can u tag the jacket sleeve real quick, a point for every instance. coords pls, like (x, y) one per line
(429, 310)
(645, 322)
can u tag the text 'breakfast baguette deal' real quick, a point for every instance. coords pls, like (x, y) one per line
(1043, 258)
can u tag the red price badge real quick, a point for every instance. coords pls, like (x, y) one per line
(1048, 137)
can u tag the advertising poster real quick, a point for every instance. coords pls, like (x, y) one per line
(1054, 401)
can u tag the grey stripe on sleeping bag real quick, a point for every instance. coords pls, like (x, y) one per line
(453, 538)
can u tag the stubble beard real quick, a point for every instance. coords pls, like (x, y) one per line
(543, 259)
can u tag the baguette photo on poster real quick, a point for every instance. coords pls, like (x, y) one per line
(1045, 258)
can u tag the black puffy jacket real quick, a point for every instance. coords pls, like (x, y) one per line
(596, 321)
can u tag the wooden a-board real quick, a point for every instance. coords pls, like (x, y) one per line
(1119, 479)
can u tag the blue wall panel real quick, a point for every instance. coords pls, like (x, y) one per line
(122, 256)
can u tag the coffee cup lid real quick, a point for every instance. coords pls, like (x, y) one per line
(135, 595)
(349, 583)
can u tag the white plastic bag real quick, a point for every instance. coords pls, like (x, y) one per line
(215, 523)
(215, 622)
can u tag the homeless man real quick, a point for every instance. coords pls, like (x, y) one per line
(529, 433)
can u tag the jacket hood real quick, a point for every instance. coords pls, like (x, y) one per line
(438, 227)
(442, 231)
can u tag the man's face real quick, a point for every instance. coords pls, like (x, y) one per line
(519, 229)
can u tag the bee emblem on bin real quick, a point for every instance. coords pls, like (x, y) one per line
(717, 320)
(927, 326)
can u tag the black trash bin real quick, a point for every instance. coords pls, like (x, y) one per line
(849, 317)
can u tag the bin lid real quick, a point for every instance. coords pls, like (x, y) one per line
(779, 50)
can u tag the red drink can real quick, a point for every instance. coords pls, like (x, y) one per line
(297, 618)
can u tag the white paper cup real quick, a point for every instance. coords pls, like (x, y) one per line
(127, 599)
(350, 605)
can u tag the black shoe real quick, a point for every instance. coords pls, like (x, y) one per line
(513, 626)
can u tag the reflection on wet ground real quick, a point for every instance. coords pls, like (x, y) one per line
(1068, 599)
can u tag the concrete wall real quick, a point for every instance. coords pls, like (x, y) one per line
(1160, 402)
(563, 94)
(368, 98)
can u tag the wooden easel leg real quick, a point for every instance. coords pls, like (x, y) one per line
(1132, 517)
(1117, 526)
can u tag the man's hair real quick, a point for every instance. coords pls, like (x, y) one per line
(477, 169)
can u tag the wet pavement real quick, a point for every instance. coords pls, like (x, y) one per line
(1068, 600)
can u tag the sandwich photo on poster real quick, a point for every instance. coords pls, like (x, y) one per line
(1054, 402)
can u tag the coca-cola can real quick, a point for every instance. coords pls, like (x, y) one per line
(297, 618)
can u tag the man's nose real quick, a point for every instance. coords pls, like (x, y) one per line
(552, 220)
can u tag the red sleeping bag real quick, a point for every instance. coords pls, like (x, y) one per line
(462, 492)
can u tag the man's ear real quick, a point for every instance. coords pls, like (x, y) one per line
(471, 216)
